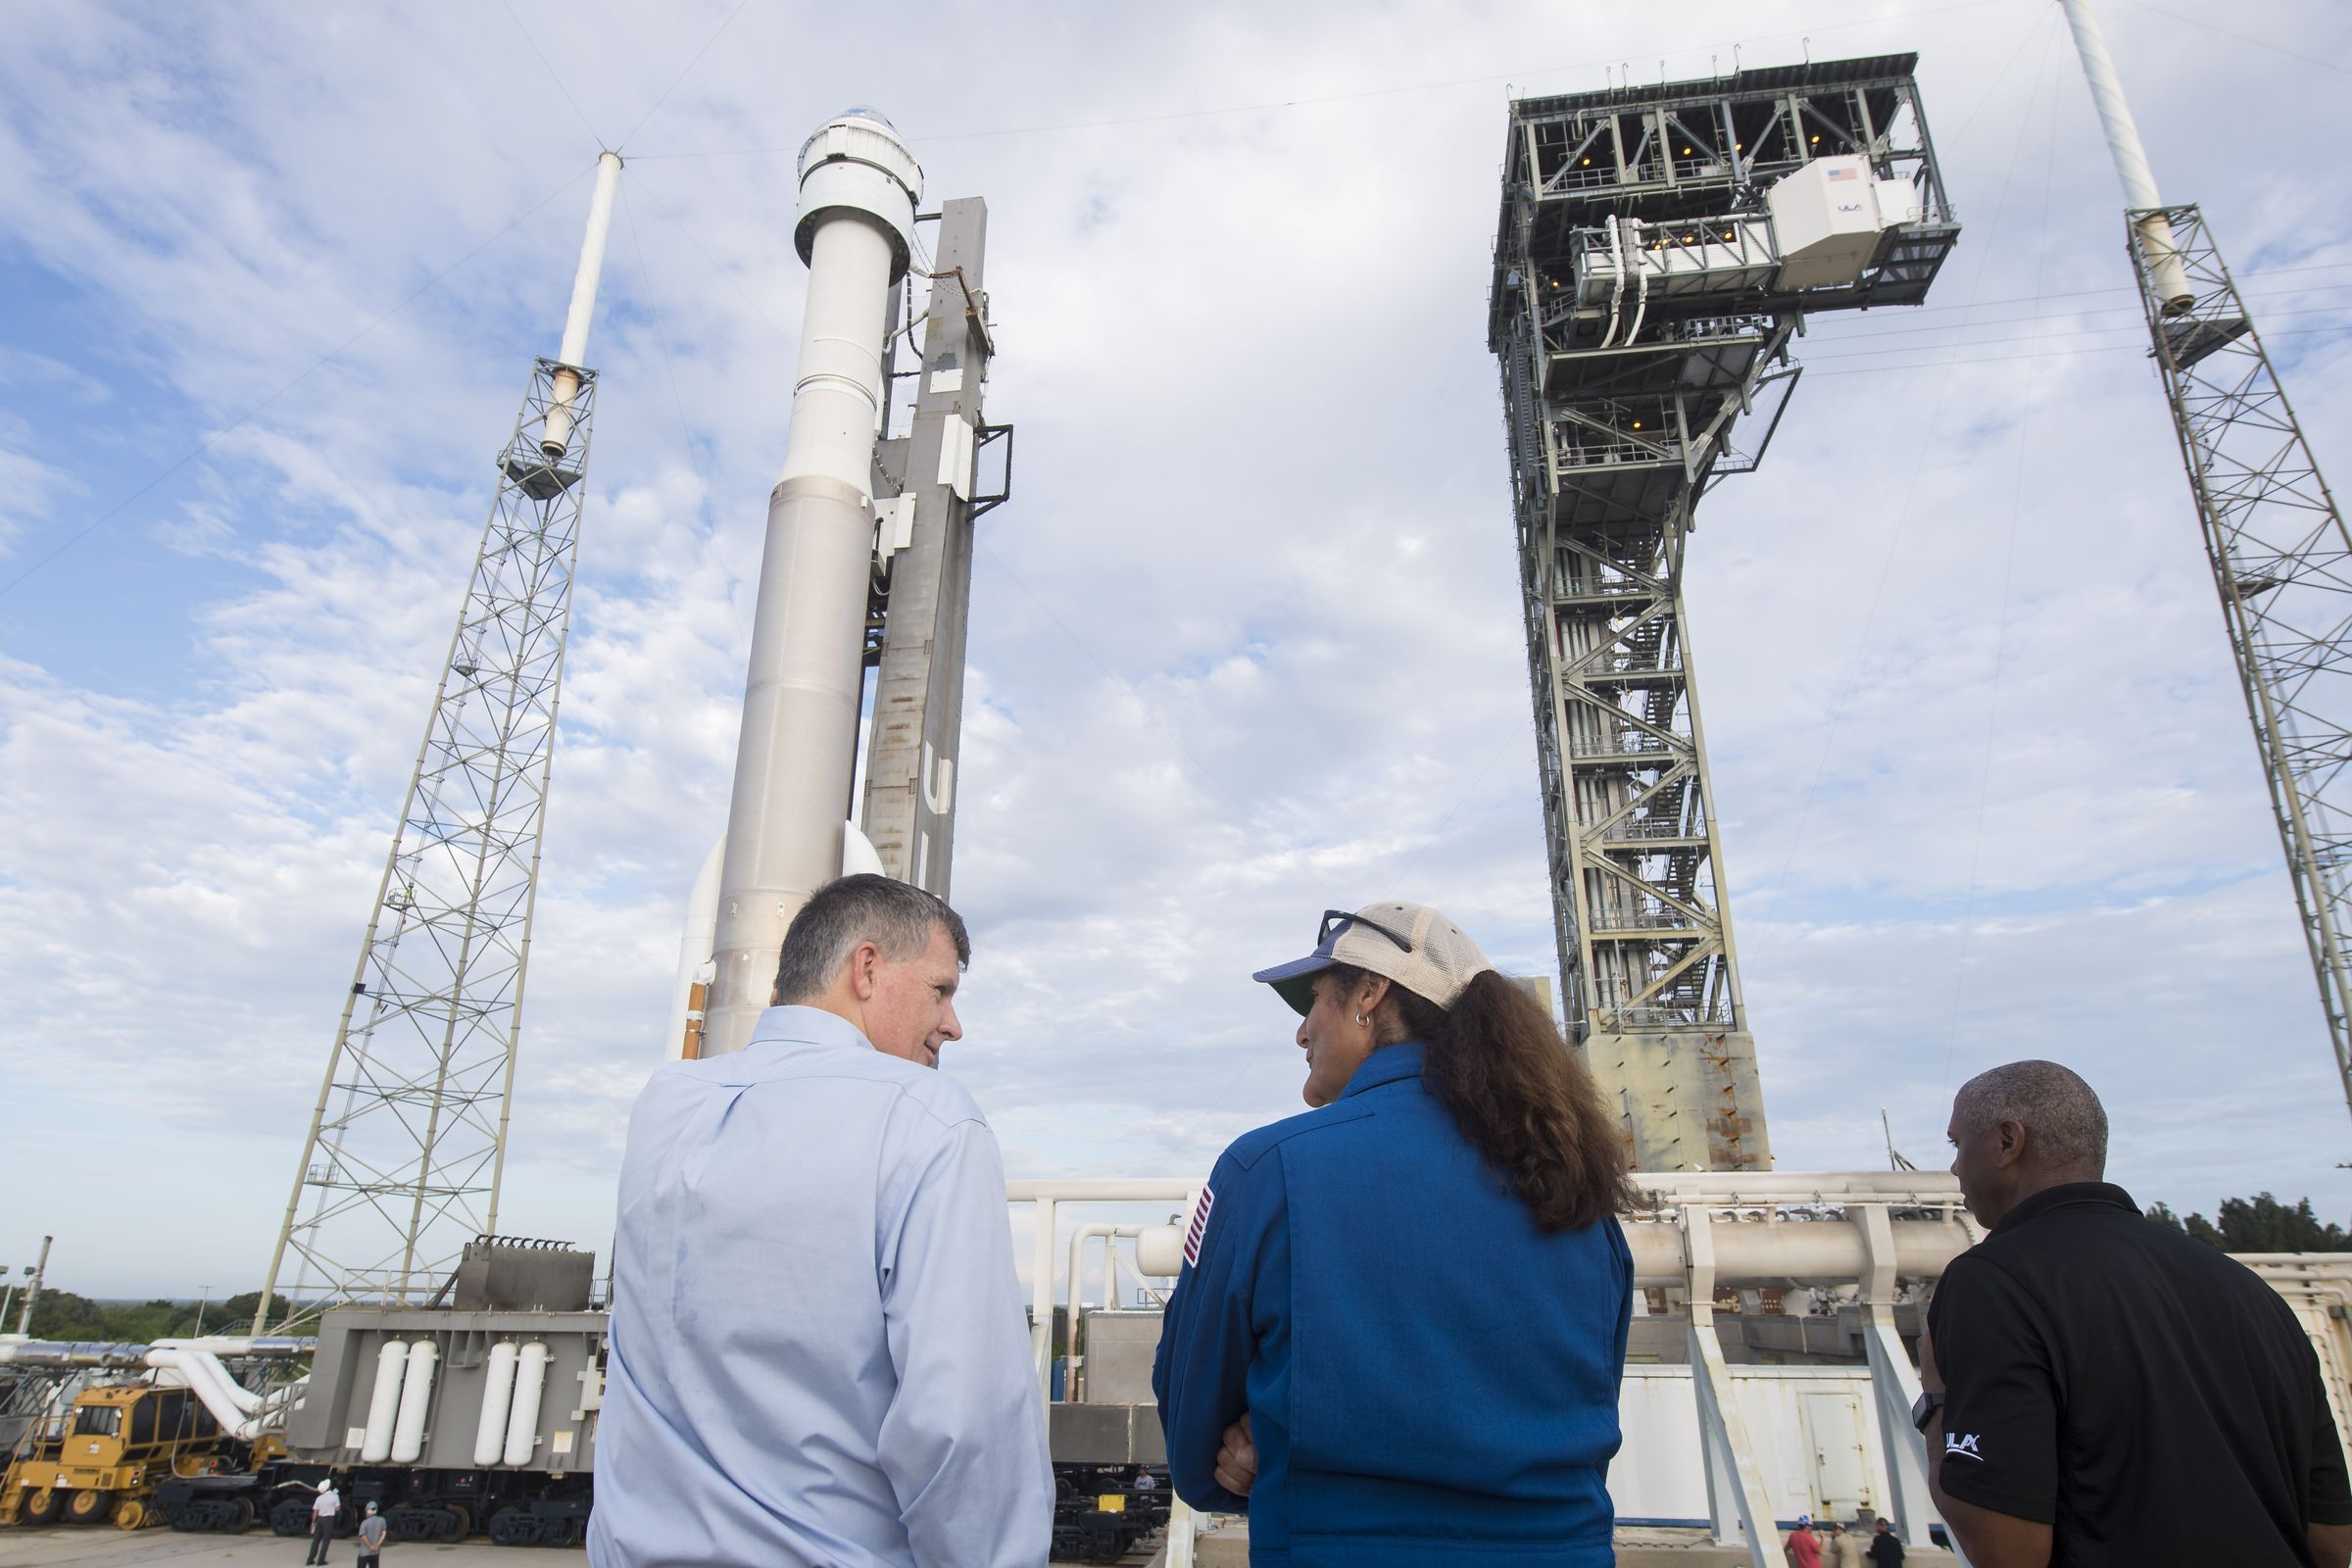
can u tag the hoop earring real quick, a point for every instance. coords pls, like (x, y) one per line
(1359, 1020)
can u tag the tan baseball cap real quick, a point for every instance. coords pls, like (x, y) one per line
(1411, 944)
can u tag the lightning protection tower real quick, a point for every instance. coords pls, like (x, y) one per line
(1659, 249)
(406, 1149)
(2282, 560)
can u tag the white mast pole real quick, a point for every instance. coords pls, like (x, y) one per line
(2170, 280)
(558, 434)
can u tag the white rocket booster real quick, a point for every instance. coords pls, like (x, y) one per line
(803, 695)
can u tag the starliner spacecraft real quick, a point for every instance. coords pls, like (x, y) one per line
(868, 568)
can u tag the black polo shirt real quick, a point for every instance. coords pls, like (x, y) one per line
(2146, 1397)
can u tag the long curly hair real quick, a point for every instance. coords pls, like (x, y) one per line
(1521, 1094)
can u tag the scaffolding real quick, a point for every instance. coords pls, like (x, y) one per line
(2282, 564)
(1657, 250)
(406, 1145)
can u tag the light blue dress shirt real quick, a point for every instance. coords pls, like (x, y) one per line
(817, 1352)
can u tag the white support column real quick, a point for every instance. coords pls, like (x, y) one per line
(1735, 1496)
(1893, 1382)
(1041, 1300)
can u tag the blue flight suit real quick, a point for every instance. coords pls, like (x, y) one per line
(1431, 1380)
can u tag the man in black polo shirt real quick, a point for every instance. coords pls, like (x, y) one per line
(2105, 1390)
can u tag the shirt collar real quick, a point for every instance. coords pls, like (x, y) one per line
(1385, 1066)
(2062, 1196)
(810, 1026)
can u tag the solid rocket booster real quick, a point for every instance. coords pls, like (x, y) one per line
(804, 693)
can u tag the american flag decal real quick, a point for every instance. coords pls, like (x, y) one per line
(1199, 1227)
(1841, 173)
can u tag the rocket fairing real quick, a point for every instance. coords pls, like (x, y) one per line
(803, 695)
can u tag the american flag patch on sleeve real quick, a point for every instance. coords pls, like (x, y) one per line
(1199, 1226)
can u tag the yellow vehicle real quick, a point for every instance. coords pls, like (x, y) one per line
(104, 1459)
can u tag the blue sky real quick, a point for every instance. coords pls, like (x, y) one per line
(1244, 644)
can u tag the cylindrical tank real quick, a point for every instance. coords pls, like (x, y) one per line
(805, 684)
(415, 1398)
(522, 1420)
(383, 1404)
(1159, 1250)
(498, 1396)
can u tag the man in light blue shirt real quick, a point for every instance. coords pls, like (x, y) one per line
(817, 1352)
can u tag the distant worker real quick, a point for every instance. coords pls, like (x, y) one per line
(817, 1350)
(1887, 1548)
(1842, 1550)
(325, 1508)
(1400, 1324)
(371, 1540)
(1804, 1547)
(2103, 1389)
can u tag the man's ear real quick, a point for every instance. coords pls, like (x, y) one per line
(866, 959)
(2013, 1141)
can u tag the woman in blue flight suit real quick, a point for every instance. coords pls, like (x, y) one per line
(1399, 1328)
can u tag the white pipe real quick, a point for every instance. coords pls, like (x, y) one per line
(1102, 1188)
(498, 1398)
(522, 1420)
(573, 354)
(806, 686)
(238, 1345)
(415, 1398)
(1828, 1251)
(212, 1385)
(693, 952)
(1616, 283)
(383, 1403)
(2170, 278)
(1041, 1293)
(1641, 285)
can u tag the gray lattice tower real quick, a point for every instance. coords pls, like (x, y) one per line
(405, 1149)
(2282, 566)
(1656, 251)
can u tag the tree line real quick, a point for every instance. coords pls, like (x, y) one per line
(2257, 1224)
(63, 1315)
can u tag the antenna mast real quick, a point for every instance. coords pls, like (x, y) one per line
(408, 1144)
(2280, 557)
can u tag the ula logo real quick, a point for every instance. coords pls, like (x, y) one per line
(1956, 1446)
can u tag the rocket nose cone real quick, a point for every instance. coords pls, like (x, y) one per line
(867, 111)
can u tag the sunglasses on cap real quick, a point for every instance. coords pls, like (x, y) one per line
(1337, 920)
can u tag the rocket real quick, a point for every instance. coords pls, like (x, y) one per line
(788, 820)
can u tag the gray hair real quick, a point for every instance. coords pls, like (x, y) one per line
(898, 917)
(2052, 1102)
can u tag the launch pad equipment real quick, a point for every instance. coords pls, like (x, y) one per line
(1659, 249)
(2273, 536)
(407, 1145)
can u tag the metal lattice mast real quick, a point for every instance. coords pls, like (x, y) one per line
(1657, 250)
(2282, 559)
(2282, 565)
(406, 1146)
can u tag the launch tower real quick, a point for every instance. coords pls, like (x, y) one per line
(406, 1145)
(1659, 249)
(2273, 536)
